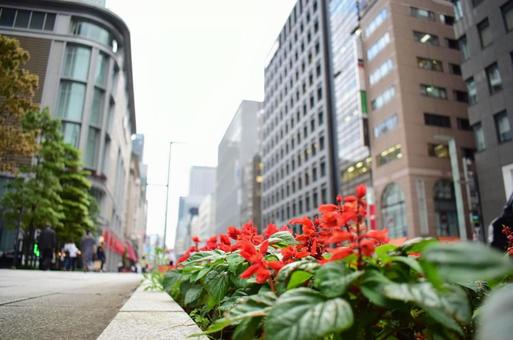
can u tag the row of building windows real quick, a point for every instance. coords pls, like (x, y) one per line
(296, 184)
(310, 150)
(383, 98)
(26, 19)
(493, 79)
(502, 128)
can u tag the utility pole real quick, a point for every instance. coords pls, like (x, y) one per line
(167, 196)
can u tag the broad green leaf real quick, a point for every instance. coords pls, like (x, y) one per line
(333, 278)
(192, 294)
(441, 317)
(305, 314)
(251, 306)
(298, 278)
(409, 261)
(382, 252)
(453, 302)
(496, 315)
(468, 261)
(282, 239)
(216, 326)
(234, 261)
(418, 244)
(373, 285)
(285, 273)
(216, 283)
(246, 329)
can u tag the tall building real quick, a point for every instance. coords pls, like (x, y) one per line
(417, 112)
(298, 126)
(82, 55)
(235, 157)
(204, 224)
(202, 182)
(484, 31)
(349, 95)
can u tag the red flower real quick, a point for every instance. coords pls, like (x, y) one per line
(367, 247)
(233, 232)
(196, 239)
(340, 236)
(270, 230)
(379, 235)
(339, 253)
(361, 191)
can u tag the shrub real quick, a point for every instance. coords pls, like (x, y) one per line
(336, 279)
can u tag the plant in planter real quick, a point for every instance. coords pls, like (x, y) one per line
(335, 280)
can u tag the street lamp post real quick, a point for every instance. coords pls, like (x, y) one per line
(167, 191)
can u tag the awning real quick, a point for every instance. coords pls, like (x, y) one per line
(112, 242)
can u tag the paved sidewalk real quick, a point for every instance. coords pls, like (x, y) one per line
(60, 305)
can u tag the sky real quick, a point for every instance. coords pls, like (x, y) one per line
(194, 61)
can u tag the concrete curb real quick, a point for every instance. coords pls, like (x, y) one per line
(151, 315)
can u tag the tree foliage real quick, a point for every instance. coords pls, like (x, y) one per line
(17, 88)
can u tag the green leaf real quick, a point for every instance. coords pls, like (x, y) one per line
(192, 294)
(334, 278)
(298, 278)
(216, 326)
(382, 252)
(409, 261)
(417, 244)
(373, 285)
(285, 273)
(282, 239)
(442, 318)
(496, 315)
(453, 302)
(234, 262)
(246, 329)
(468, 261)
(216, 283)
(305, 314)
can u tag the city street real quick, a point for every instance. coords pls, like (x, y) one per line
(60, 305)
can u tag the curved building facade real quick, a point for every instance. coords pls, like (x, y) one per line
(81, 53)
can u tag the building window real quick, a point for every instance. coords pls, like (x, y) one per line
(376, 22)
(494, 78)
(471, 90)
(97, 107)
(25, 19)
(386, 125)
(433, 91)
(393, 211)
(503, 127)
(71, 133)
(447, 19)
(452, 43)
(445, 208)
(383, 98)
(476, 3)
(71, 100)
(422, 14)
(455, 69)
(389, 155)
(479, 137)
(426, 38)
(93, 143)
(93, 31)
(463, 124)
(460, 96)
(430, 64)
(463, 47)
(378, 46)
(485, 33)
(433, 119)
(438, 150)
(507, 14)
(458, 10)
(76, 62)
(102, 67)
(381, 71)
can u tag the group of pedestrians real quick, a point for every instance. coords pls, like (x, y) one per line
(90, 253)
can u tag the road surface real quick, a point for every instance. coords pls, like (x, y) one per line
(60, 305)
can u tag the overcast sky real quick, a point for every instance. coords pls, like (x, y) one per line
(193, 63)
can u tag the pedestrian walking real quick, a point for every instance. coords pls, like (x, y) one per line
(47, 243)
(71, 252)
(100, 256)
(87, 245)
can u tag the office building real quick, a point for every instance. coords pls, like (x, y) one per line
(81, 52)
(204, 224)
(298, 149)
(484, 30)
(202, 182)
(417, 109)
(235, 174)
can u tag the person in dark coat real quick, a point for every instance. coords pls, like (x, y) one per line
(87, 245)
(47, 243)
(496, 237)
(100, 256)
